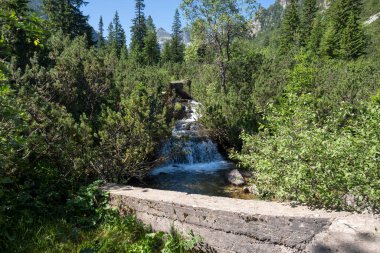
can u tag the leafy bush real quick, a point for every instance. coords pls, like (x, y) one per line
(130, 136)
(295, 157)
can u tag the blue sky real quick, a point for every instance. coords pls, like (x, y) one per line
(162, 12)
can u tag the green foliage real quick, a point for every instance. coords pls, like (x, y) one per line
(224, 21)
(90, 225)
(314, 40)
(166, 52)
(174, 49)
(151, 46)
(21, 32)
(198, 50)
(116, 35)
(129, 137)
(68, 17)
(138, 31)
(271, 17)
(177, 47)
(353, 40)
(174, 243)
(88, 207)
(297, 158)
(329, 42)
(344, 37)
(101, 41)
(225, 114)
(353, 82)
(370, 7)
(308, 15)
(290, 27)
(71, 114)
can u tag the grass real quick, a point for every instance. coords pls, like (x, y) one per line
(85, 224)
(116, 234)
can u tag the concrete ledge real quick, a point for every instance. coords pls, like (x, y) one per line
(234, 225)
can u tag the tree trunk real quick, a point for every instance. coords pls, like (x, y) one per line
(222, 77)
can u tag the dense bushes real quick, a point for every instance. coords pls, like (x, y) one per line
(308, 128)
(68, 120)
(330, 161)
(320, 166)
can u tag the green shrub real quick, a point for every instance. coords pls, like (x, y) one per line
(296, 157)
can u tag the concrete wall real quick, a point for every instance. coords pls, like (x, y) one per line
(233, 225)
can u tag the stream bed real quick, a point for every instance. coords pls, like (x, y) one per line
(193, 163)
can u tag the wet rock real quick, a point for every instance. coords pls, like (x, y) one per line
(246, 173)
(235, 178)
(252, 189)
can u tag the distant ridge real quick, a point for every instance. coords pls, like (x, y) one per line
(164, 36)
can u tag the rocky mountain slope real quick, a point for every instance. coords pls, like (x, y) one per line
(164, 36)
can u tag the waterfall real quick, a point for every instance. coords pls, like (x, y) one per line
(190, 149)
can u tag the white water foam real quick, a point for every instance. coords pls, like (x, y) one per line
(205, 168)
(188, 150)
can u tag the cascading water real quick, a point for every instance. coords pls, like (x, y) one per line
(193, 162)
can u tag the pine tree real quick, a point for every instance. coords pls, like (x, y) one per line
(116, 36)
(329, 41)
(314, 40)
(176, 45)
(341, 10)
(111, 35)
(309, 12)
(166, 52)
(101, 33)
(119, 34)
(352, 43)
(290, 27)
(150, 24)
(151, 47)
(68, 17)
(138, 31)
(344, 37)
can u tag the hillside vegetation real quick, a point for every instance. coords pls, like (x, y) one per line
(301, 108)
(297, 104)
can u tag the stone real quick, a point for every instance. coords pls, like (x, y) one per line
(235, 178)
(235, 225)
(246, 173)
(251, 189)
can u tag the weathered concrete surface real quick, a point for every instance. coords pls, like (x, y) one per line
(233, 225)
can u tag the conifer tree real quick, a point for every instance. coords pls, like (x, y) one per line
(119, 34)
(176, 46)
(101, 33)
(329, 41)
(352, 43)
(68, 17)
(341, 11)
(138, 31)
(309, 12)
(344, 37)
(314, 40)
(166, 52)
(290, 27)
(116, 36)
(151, 47)
(111, 35)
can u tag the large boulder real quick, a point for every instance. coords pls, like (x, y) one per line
(235, 178)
